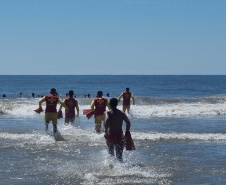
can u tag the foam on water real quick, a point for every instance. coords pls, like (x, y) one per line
(27, 138)
(87, 136)
(208, 106)
(178, 136)
(93, 139)
(19, 110)
(109, 170)
(182, 109)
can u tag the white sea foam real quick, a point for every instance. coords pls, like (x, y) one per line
(180, 109)
(25, 138)
(93, 139)
(116, 172)
(20, 110)
(139, 111)
(129, 172)
(178, 136)
(87, 136)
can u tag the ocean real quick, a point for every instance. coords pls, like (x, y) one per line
(178, 125)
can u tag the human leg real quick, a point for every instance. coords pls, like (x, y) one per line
(124, 108)
(66, 120)
(110, 148)
(98, 121)
(47, 121)
(127, 107)
(72, 120)
(97, 125)
(51, 116)
(54, 122)
(69, 118)
(54, 128)
(119, 150)
(47, 126)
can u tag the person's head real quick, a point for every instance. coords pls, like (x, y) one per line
(99, 94)
(53, 91)
(71, 93)
(113, 103)
(127, 89)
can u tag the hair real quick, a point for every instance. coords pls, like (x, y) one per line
(53, 91)
(113, 102)
(99, 93)
(71, 93)
(127, 89)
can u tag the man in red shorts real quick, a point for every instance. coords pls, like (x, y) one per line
(113, 129)
(71, 103)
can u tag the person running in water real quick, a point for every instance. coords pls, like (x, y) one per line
(113, 129)
(98, 106)
(71, 103)
(51, 108)
(126, 100)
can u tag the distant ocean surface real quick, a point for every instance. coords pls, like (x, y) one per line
(178, 125)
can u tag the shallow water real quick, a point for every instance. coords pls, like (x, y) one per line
(178, 139)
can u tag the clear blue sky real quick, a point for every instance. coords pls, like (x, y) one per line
(82, 37)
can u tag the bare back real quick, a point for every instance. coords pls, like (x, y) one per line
(114, 121)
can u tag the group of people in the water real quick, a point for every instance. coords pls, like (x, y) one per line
(33, 95)
(20, 94)
(111, 119)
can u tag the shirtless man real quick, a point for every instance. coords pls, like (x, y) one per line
(113, 129)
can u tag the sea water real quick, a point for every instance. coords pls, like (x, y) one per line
(178, 124)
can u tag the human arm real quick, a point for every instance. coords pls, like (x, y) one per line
(62, 103)
(92, 105)
(61, 106)
(77, 108)
(106, 121)
(41, 101)
(133, 99)
(106, 124)
(108, 105)
(128, 124)
(120, 97)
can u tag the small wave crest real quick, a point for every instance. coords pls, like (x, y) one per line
(146, 107)
(179, 136)
(179, 109)
(180, 100)
(93, 139)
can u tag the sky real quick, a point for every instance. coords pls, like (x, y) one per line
(112, 37)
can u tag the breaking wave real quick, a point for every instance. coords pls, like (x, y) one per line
(146, 107)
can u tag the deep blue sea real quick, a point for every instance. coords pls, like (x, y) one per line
(178, 124)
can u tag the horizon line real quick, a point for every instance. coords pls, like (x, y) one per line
(112, 74)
